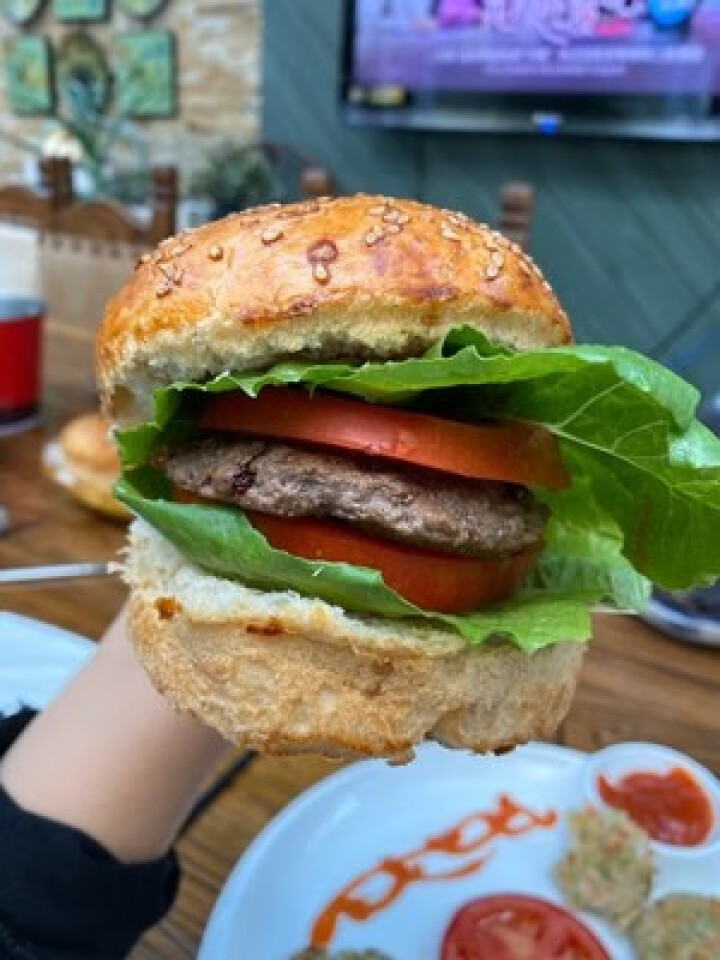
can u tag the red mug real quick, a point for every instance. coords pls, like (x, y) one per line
(20, 335)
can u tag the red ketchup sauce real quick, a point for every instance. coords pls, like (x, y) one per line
(671, 807)
(473, 834)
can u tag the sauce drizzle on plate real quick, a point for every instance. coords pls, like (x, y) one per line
(472, 834)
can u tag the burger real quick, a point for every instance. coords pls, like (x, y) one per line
(378, 489)
(83, 461)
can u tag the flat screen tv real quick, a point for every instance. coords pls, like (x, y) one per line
(640, 68)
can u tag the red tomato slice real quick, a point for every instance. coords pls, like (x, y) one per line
(431, 580)
(511, 452)
(516, 927)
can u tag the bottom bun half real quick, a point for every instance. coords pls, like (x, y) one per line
(288, 674)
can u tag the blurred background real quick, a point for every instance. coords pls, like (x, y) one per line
(248, 101)
(587, 130)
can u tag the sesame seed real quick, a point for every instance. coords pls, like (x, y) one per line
(394, 228)
(393, 215)
(458, 220)
(215, 252)
(324, 250)
(166, 251)
(163, 290)
(497, 258)
(299, 209)
(491, 243)
(378, 211)
(172, 272)
(525, 267)
(449, 233)
(372, 236)
(547, 285)
(515, 247)
(271, 234)
(396, 216)
(492, 271)
(321, 273)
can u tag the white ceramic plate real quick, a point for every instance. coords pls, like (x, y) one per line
(354, 819)
(36, 660)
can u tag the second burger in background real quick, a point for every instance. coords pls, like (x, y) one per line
(83, 461)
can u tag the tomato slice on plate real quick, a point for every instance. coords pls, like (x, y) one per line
(517, 927)
(431, 580)
(511, 452)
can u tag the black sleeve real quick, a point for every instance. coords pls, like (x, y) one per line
(62, 895)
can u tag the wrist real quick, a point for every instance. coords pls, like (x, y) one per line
(110, 756)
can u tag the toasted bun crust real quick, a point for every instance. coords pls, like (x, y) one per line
(285, 674)
(352, 278)
(83, 461)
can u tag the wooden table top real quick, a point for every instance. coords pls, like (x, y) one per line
(635, 685)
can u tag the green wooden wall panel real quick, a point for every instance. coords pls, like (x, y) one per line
(300, 79)
(578, 184)
(468, 172)
(628, 233)
(691, 174)
(695, 351)
(683, 243)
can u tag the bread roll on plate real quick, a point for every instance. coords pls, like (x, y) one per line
(84, 462)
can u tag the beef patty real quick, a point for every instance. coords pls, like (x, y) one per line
(420, 507)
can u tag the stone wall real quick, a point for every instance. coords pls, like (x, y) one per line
(218, 76)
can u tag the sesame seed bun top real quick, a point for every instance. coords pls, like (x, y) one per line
(352, 278)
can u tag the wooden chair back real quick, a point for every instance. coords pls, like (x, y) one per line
(77, 277)
(316, 181)
(23, 213)
(517, 205)
(35, 208)
(88, 249)
(53, 207)
(108, 222)
(302, 177)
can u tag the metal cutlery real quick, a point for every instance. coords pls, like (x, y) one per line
(54, 572)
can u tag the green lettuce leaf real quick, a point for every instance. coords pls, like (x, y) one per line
(222, 540)
(583, 551)
(625, 426)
